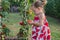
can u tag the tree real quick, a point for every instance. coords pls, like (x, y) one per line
(5, 5)
(52, 8)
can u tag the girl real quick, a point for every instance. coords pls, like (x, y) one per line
(40, 29)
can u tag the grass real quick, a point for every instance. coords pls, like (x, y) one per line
(55, 28)
(14, 26)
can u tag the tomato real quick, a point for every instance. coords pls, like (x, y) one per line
(29, 21)
(3, 26)
(21, 23)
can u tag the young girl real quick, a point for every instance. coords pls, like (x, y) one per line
(40, 29)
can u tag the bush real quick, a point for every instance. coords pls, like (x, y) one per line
(52, 8)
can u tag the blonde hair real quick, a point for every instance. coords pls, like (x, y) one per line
(44, 2)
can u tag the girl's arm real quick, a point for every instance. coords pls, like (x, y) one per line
(41, 17)
(41, 20)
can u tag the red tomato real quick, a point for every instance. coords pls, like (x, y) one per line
(29, 21)
(21, 23)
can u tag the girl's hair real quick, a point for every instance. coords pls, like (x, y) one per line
(44, 2)
(40, 3)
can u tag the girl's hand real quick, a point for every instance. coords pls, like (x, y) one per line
(30, 22)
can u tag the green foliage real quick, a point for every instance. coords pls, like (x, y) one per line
(14, 2)
(52, 8)
(6, 31)
(24, 7)
(5, 5)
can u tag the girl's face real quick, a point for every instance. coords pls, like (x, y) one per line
(36, 10)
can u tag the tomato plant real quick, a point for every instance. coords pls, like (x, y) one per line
(25, 11)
